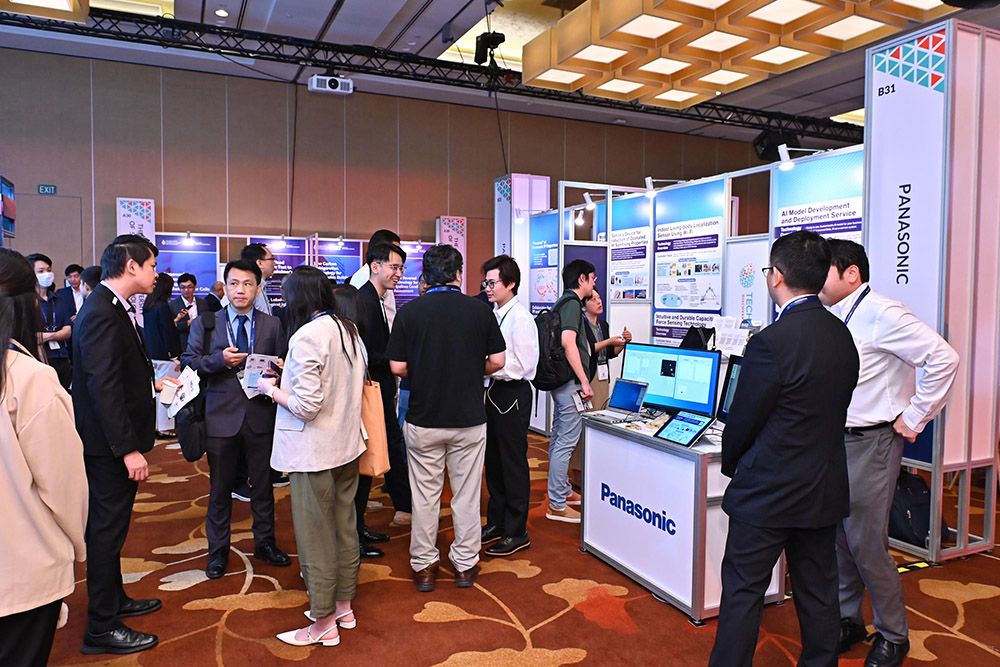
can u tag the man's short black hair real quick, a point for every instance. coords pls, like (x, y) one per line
(509, 271)
(803, 259)
(442, 264)
(73, 268)
(384, 236)
(38, 257)
(91, 276)
(379, 252)
(574, 270)
(254, 252)
(188, 278)
(844, 254)
(243, 265)
(125, 247)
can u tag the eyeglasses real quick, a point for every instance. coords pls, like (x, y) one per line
(767, 269)
(268, 259)
(488, 284)
(396, 268)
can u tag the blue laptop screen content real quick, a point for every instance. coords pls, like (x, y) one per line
(678, 379)
(683, 428)
(626, 396)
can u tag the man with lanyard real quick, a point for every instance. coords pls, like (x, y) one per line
(362, 275)
(508, 414)
(237, 425)
(188, 304)
(891, 406)
(579, 277)
(57, 313)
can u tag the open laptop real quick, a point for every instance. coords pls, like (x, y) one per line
(625, 403)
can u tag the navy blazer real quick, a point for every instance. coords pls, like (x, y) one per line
(67, 293)
(226, 404)
(112, 379)
(784, 440)
(158, 330)
(375, 335)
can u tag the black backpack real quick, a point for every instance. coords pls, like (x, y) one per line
(553, 369)
(189, 422)
(910, 515)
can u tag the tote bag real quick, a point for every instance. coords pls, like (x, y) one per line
(375, 460)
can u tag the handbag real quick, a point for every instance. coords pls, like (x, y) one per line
(189, 422)
(375, 459)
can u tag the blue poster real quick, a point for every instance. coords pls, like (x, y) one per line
(288, 254)
(632, 226)
(338, 259)
(823, 195)
(543, 272)
(198, 255)
(407, 287)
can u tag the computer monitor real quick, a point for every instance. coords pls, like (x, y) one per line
(729, 387)
(678, 379)
(627, 395)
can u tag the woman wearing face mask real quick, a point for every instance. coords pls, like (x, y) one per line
(57, 314)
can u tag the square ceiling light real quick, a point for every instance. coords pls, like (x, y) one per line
(74, 11)
(708, 10)
(718, 45)
(539, 68)
(782, 17)
(920, 11)
(845, 34)
(578, 43)
(664, 69)
(676, 98)
(638, 23)
(664, 66)
(780, 59)
(621, 89)
(722, 80)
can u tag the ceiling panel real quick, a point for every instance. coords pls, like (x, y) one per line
(358, 22)
(294, 18)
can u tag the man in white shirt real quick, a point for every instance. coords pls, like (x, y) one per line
(363, 275)
(890, 407)
(508, 413)
(188, 304)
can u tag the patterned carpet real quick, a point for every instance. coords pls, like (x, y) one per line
(547, 606)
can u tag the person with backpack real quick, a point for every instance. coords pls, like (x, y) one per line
(579, 277)
(890, 407)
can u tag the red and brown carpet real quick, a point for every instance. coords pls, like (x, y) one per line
(547, 606)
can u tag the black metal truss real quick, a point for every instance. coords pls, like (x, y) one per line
(374, 61)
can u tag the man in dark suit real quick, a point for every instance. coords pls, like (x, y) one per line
(213, 300)
(187, 302)
(234, 423)
(74, 293)
(784, 449)
(386, 264)
(116, 418)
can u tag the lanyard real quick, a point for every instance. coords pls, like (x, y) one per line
(857, 303)
(444, 288)
(231, 330)
(796, 302)
(48, 309)
(320, 314)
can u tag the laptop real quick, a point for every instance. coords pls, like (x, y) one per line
(625, 403)
(684, 428)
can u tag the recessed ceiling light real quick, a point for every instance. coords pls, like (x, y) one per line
(62, 5)
(717, 41)
(675, 95)
(723, 77)
(780, 55)
(559, 76)
(600, 54)
(849, 28)
(222, 13)
(620, 86)
(707, 4)
(784, 11)
(650, 27)
(665, 66)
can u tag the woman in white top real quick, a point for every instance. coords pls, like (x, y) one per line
(317, 440)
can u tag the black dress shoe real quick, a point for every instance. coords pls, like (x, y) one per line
(139, 607)
(371, 537)
(271, 554)
(241, 492)
(121, 640)
(508, 546)
(491, 534)
(217, 566)
(850, 634)
(368, 551)
(885, 653)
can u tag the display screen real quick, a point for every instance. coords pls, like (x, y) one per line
(678, 379)
(684, 428)
(729, 387)
(627, 395)
(8, 210)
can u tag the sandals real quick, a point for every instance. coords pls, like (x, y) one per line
(346, 625)
(289, 638)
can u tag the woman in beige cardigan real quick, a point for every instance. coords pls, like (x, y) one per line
(43, 487)
(317, 440)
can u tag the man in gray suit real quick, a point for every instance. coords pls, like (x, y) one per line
(192, 305)
(236, 424)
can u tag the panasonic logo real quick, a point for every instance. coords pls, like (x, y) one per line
(658, 520)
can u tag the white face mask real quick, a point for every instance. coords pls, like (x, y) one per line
(46, 279)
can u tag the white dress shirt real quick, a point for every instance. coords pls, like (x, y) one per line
(521, 336)
(77, 299)
(363, 275)
(892, 343)
(192, 308)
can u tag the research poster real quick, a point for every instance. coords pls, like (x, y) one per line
(824, 194)
(543, 272)
(407, 289)
(631, 230)
(689, 227)
(197, 255)
(136, 216)
(338, 259)
(288, 254)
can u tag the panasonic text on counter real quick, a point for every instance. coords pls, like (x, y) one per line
(656, 519)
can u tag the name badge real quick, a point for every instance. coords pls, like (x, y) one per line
(53, 345)
(603, 372)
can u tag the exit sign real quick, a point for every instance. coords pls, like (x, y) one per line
(46, 189)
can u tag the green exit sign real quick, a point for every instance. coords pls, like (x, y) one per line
(46, 189)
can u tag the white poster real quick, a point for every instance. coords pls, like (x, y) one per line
(822, 194)
(631, 232)
(905, 129)
(745, 288)
(454, 231)
(136, 216)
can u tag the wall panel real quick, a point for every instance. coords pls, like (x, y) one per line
(585, 154)
(423, 167)
(625, 159)
(372, 131)
(318, 174)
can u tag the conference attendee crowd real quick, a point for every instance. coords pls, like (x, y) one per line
(449, 376)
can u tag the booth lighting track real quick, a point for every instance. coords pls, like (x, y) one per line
(156, 31)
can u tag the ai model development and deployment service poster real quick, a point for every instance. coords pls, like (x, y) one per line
(689, 223)
(631, 221)
(824, 194)
(543, 272)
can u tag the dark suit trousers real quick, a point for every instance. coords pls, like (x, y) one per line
(397, 480)
(223, 460)
(751, 552)
(112, 494)
(64, 371)
(508, 480)
(26, 638)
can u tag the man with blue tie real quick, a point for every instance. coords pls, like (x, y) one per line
(237, 425)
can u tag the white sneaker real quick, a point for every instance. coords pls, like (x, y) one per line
(374, 506)
(401, 519)
(566, 514)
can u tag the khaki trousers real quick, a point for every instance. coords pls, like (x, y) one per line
(325, 533)
(429, 451)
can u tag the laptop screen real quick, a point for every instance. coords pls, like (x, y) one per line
(627, 395)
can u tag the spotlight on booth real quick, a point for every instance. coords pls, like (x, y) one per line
(590, 206)
(579, 219)
(650, 184)
(280, 244)
(188, 240)
(784, 154)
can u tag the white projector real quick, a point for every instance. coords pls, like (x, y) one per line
(334, 85)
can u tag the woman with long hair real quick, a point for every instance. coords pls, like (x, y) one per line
(317, 440)
(43, 486)
(159, 325)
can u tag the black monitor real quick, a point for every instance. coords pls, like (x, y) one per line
(729, 387)
(678, 379)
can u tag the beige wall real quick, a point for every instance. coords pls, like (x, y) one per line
(232, 155)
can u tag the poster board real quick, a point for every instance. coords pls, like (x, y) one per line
(630, 243)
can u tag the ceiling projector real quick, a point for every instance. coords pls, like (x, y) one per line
(333, 85)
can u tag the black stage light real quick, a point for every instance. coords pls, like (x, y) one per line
(485, 43)
(766, 144)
